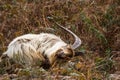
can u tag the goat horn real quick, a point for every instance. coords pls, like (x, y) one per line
(77, 41)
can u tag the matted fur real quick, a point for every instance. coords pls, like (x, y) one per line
(28, 48)
(31, 48)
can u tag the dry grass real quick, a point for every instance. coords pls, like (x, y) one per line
(96, 22)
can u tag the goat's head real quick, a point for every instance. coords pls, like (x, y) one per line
(65, 52)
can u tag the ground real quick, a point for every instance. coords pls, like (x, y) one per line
(96, 22)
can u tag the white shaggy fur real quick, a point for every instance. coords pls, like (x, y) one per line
(28, 47)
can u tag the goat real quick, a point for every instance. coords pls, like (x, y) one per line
(29, 48)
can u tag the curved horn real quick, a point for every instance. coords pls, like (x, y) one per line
(77, 41)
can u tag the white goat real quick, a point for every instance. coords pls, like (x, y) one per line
(30, 48)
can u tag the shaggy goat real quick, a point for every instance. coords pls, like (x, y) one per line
(30, 48)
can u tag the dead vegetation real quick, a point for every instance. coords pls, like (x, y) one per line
(96, 22)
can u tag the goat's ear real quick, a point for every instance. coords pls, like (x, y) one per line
(79, 54)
